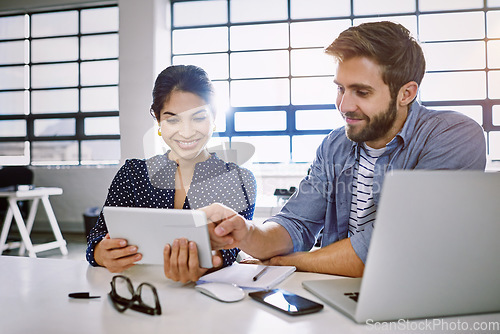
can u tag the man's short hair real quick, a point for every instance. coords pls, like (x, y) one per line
(388, 44)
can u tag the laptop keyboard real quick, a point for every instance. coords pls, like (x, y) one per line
(353, 295)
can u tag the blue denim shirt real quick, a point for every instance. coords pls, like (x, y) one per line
(429, 139)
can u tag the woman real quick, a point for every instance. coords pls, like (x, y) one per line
(186, 177)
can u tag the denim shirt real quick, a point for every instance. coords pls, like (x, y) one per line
(429, 139)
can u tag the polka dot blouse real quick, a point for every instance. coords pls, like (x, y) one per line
(151, 184)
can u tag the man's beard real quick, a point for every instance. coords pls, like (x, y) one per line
(376, 127)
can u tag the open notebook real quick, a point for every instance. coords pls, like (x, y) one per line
(243, 274)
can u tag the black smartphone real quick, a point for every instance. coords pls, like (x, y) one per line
(285, 301)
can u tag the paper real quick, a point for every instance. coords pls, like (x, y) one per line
(243, 274)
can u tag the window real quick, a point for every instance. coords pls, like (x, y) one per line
(59, 87)
(275, 84)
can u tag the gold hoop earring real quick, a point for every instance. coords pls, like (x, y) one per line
(215, 128)
(159, 132)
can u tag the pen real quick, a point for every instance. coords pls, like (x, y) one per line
(82, 295)
(262, 272)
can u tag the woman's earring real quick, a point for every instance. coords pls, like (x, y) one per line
(215, 128)
(159, 132)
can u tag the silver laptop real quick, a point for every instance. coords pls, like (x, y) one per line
(435, 250)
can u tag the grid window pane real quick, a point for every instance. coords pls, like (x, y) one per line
(99, 46)
(431, 26)
(474, 112)
(200, 40)
(493, 54)
(54, 152)
(263, 92)
(494, 84)
(99, 99)
(251, 10)
(216, 65)
(306, 9)
(14, 149)
(305, 147)
(12, 52)
(102, 126)
(433, 5)
(14, 128)
(194, 13)
(260, 121)
(367, 7)
(313, 91)
(41, 74)
(453, 86)
(221, 100)
(54, 24)
(455, 55)
(13, 103)
(54, 127)
(43, 49)
(327, 119)
(316, 33)
(99, 20)
(493, 3)
(493, 27)
(13, 77)
(102, 151)
(496, 115)
(12, 27)
(312, 62)
(54, 75)
(99, 73)
(280, 145)
(494, 145)
(54, 101)
(259, 64)
(259, 37)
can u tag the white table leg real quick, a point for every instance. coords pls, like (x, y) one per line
(21, 227)
(54, 225)
(5, 230)
(30, 221)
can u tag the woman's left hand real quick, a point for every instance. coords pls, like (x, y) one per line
(181, 261)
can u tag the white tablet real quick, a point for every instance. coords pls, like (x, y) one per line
(151, 229)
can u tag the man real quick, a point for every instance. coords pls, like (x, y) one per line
(380, 67)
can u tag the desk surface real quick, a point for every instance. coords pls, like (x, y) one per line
(34, 298)
(36, 192)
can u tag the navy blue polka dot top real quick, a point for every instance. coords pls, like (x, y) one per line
(151, 184)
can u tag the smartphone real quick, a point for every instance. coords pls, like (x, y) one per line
(286, 302)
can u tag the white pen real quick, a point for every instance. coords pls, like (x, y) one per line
(262, 272)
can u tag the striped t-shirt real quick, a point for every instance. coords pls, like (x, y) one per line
(362, 206)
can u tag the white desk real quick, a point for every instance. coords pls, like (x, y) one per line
(34, 299)
(35, 195)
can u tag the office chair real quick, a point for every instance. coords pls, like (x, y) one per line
(10, 177)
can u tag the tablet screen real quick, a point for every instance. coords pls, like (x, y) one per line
(150, 229)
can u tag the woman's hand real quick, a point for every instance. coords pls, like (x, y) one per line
(181, 261)
(115, 254)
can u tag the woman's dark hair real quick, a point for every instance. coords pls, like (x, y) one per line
(185, 78)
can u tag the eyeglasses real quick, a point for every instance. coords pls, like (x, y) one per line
(144, 299)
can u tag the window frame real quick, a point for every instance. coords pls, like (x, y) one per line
(290, 109)
(79, 116)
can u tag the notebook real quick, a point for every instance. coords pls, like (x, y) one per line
(242, 275)
(434, 250)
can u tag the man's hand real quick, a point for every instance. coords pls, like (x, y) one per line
(181, 261)
(115, 254)
(226, 227)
